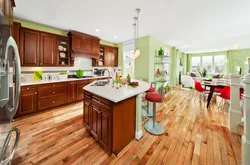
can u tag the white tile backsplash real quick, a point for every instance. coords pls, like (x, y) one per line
(79, 63)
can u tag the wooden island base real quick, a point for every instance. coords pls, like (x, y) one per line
(111, 124)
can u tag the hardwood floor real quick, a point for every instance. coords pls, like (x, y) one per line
(193, 135)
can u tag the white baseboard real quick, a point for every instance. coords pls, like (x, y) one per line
(138, 135)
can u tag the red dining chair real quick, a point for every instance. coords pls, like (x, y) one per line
(225, 95)
(200, 91)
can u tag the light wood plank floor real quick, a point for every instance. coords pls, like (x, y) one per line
(193, 135)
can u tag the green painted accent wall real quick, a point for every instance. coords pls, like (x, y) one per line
(42, 27)
(102, 42)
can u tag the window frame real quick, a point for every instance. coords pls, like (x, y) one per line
(213, 62)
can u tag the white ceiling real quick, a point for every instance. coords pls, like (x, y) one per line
(191, 26)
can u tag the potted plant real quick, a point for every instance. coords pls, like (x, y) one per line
(161, 52)
(203, 72)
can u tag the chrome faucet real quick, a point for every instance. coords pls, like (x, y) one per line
(109, 74)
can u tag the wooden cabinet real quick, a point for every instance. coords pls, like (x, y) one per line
(6, 7)
(108, 57)
(52, 95)
(16, 32)
(28, 101)
(29, 47)
(48, 50)
(97, 117)
(84, 45)
(41, 48)
(76, 43)
(86, 113)
(80, 85)
(72, 91)
(87, 44)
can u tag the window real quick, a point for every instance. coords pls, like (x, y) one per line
(128, 64)
(207, 63)
(196, 64)
(219, 64)
(213, 64)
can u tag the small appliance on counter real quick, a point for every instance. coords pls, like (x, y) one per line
(79, 73)
(98, 72)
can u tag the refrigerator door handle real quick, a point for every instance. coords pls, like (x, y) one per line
(5, 147)
(11, 43)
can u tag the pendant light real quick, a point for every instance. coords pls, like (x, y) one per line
(137, 51)
(136, 36)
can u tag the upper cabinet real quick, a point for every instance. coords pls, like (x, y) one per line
(108, 57)
(6, 7)
(43, 49)
(48, 50)
(85, 45)
(29, 47)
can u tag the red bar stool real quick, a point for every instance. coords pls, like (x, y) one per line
(152, 126)
(149, 112)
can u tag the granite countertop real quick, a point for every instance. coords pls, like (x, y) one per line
(57, 81)
(117, 95)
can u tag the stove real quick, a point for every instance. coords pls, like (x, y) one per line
(74, 76)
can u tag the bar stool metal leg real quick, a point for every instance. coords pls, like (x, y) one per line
(152, 126)
(148, 112)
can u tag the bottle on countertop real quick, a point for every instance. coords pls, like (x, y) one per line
(128, 79)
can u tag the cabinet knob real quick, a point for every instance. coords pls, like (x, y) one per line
(41, 63)
(37, 64)
(54, 92)
(53, 102)
(28, 88)
(35, 93)
(54, 85)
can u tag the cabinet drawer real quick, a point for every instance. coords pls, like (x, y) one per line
(29, 88)
(87, 95)
(49, 102)
(53, 85)
(101, 101)
(51, 91)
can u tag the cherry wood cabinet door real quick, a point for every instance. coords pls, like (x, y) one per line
(87, 44)
(48, 49)
(105, 134)
(96, 46)
(72, 91)
(115, 51)
(76, 43)
(96, 121)
(28, 102)
(109, 57)
(80, 92)
(86, 113)
(29, 47)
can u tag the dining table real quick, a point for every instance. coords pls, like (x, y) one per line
(212, 86)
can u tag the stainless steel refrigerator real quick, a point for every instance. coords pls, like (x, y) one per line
(10, 72)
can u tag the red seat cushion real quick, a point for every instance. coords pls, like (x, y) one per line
(151, 89)
(218, 90)
(153, 97)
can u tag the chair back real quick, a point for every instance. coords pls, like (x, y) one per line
(198, 87)
(225, 93)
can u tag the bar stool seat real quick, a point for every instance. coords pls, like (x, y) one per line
(152, 126)
(148, 112)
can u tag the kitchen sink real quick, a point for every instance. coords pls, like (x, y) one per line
(100, 83)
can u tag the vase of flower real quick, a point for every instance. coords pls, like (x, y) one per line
(161, 52)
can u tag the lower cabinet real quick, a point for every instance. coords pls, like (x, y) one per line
(97, 119)
(28, 101)
(72, 91)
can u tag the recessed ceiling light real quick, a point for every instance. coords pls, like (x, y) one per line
(115, 37)
(97, 30)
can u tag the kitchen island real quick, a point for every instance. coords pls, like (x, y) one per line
(113, 116)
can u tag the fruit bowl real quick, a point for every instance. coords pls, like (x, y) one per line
(134, 84)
